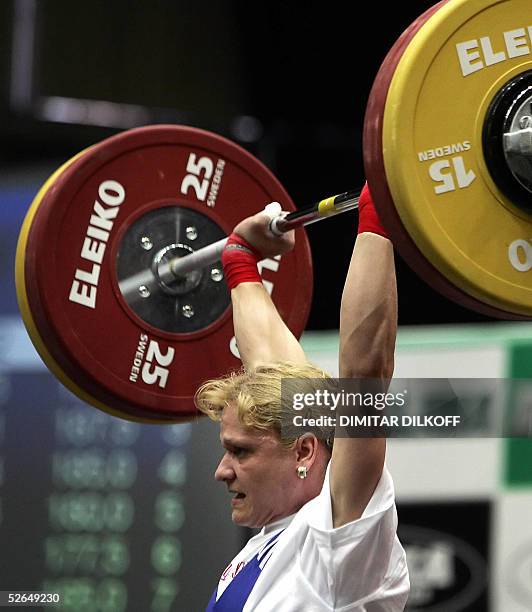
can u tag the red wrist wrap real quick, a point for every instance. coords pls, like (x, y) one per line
(368, 219)
(239, 260)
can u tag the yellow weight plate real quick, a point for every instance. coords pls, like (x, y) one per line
(434, 116)
(26, 312)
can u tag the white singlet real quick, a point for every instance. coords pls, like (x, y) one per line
(300, 563)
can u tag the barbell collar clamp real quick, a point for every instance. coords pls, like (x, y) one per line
(519, 142)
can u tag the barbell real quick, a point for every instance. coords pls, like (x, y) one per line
(174, 270)
(117, 270)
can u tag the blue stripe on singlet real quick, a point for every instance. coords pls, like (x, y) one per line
(236, 594)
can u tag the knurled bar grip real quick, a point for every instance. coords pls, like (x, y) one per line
(178, 267)
(280, 224)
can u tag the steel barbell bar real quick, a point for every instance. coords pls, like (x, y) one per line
(177, 268)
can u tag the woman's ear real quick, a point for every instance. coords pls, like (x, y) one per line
(306, 449)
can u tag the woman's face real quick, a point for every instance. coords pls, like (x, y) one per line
(260, 472)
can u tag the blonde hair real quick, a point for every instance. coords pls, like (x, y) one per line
(256, 394)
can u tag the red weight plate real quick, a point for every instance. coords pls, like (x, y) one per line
(77, 232)
(28, 315)
(376, 176)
